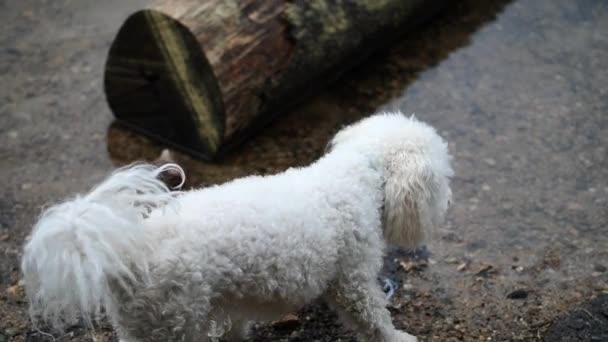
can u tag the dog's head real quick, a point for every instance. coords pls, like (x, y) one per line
(416, 169)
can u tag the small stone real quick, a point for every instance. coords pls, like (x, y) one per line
(599, 268)
(395, 306)
(4, 237)
(490, 161)
(409, 266)
(15, 292)
(425, 294)
(26, 186)
(518, 294)
(462, 266)
(519, 269)
(486, 270)
(486, 187)
(451, 260)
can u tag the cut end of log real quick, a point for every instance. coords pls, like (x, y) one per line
(159, 82)
(203, 76)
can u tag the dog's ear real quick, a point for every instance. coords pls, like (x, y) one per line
(416, 196)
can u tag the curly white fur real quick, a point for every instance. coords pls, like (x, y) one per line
(251, 249)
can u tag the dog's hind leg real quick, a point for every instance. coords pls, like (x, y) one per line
(362, 307)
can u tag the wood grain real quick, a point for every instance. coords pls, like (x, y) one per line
(203, 75)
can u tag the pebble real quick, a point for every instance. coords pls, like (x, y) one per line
(409, 266)
(486, 270)
(15, 292)
(451, 260)
(396, 306)
(425, 294)
(599, 268)
(518, 294)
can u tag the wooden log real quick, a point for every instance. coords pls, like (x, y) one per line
(203, 75)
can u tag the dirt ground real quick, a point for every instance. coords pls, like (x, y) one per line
(519, 89)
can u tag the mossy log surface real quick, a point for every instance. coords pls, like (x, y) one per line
(202, 76)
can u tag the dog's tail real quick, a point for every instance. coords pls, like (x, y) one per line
(81, 251)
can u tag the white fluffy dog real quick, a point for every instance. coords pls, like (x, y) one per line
(165, 265)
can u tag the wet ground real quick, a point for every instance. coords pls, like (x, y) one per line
(519, 88)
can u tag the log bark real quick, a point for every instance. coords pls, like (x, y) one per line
(203, 75)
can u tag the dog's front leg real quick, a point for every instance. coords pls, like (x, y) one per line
(362, 307)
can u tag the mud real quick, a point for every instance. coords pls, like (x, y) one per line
(586, 323)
